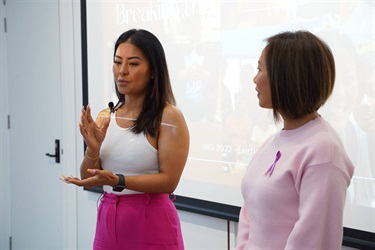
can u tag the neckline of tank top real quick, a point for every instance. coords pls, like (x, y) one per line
(132, 119)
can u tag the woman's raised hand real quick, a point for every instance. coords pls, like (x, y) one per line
(93, 133)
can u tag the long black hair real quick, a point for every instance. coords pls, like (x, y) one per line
(159, 91)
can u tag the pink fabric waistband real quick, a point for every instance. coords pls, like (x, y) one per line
(130, 198)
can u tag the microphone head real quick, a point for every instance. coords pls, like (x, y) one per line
(111, 105)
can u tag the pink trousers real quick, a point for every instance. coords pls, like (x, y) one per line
(139, 222)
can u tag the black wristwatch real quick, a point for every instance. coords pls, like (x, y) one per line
(121, 183)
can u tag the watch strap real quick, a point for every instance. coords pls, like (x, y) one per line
(121, 183)
(121, 180)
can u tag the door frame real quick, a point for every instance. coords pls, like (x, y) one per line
(4, 139)
(71, 95)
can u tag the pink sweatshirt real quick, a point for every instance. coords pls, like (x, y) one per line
(294, 199)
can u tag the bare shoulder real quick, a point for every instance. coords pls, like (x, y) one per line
(174, 128)
(103, 116)
(173, 116)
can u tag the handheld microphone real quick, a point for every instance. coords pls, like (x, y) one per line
(111, 107)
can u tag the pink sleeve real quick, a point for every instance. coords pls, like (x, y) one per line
(322, 191)
(243, 229)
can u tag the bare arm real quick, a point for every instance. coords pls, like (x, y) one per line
(173, 149)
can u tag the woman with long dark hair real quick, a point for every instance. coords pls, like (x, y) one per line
(137, 150)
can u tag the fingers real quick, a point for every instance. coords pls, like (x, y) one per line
(106, 177)
(106, 125)
(83, 121)
(93, 171)
(84, 112)
(98, 172)
(69, 179)
(63, 178)
(88, 114)
(99, 178)
(86, 124)
(82, 128)
(78, 182)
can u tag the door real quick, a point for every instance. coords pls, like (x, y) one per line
(36, 122)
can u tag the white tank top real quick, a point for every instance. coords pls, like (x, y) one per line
(127, 153)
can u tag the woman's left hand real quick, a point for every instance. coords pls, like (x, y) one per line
(99, 178)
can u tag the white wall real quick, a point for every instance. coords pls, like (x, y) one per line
(203, 232)
(4, 140)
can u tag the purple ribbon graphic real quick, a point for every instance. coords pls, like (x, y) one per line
(272, 167)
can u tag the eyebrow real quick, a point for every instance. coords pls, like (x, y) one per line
(129, 58)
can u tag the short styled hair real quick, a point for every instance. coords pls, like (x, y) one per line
(301, 72)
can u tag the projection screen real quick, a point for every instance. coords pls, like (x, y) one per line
(212, 49)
